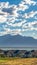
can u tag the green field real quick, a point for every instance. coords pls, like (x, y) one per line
(18, 61)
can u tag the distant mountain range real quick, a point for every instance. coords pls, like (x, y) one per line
(17, 41)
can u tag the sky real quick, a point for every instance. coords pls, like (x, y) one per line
(18, 17)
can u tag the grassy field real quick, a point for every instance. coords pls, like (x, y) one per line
(18, 61)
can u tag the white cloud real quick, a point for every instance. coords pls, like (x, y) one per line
(11, 32)
(31, 14)
(3, 16)
(4, 5)
(30, 26)
(30, 2)
(22, 7)
(14, 22)
(2, 19)
(17, 24)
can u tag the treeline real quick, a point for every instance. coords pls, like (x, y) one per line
(18, 53)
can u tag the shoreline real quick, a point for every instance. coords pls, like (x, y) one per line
(18, 48)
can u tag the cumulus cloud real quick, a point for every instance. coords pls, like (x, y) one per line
(30, 26)
(30, 2)
(22, 6)
(14, 19)
(31, 14)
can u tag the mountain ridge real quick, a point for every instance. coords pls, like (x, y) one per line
(17, 40)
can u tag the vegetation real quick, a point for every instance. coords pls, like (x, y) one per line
(18, 57)
(18, 61)
(18, 53)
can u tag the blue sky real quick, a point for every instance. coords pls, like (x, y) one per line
(18, 17)
(11, 1)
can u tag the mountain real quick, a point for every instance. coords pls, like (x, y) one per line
(17, 41)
